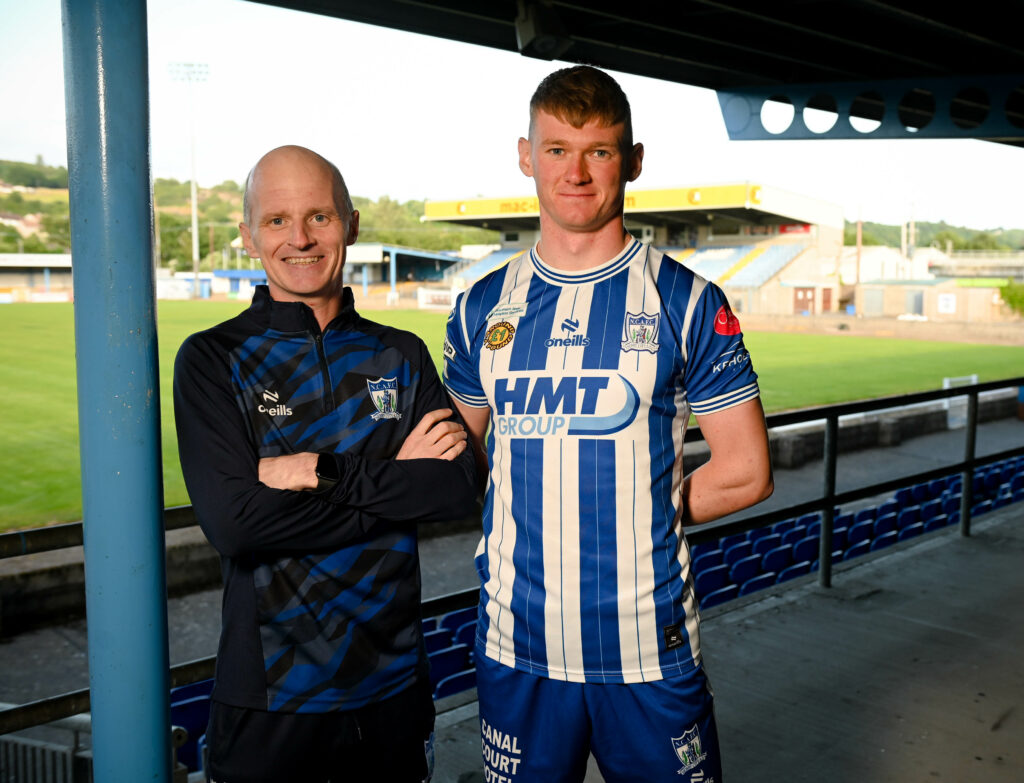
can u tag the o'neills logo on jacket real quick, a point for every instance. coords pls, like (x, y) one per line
(275, 408)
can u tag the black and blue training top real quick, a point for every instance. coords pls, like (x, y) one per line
(321, 606)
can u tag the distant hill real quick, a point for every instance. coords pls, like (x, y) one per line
(941, 235)
(220, 211)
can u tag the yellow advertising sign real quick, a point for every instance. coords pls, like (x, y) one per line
(664, 200)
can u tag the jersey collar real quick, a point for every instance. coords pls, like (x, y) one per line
(587, 276)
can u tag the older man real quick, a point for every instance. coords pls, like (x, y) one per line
(312, 441)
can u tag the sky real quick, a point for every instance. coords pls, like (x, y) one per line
(415, 117)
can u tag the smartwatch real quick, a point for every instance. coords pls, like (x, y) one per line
(327, 474)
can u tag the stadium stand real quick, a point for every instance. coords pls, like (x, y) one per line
(712, 263)
(478, 269)
(760, 268)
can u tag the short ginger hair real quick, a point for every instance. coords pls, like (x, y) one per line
(580, 94)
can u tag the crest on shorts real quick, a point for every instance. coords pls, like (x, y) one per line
(640, 331)
(499, 335)
(688, 749)
(384, 393)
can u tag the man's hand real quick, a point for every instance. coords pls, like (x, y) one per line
(289, 471)
(434, 438)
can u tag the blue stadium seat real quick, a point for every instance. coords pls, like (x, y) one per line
(201, 688)
(839, 534)
(446, 662)
(454, 619)
(981, 508)
(930, 509)
(429, 624)
(910, 531)
(885, 524)
(712, 579)
(726, 593)
(936, 487)
(797, 569)
(758, 533)
(758, 583)
(764, 543)
(862, 531)
(860, 548)
(696, 550)
(884, 540)
(814, 529)
(437, 640)
(455, 683)
(793, 535)
(1017, 482)
(888, 507)
(908, 516)
(777, 559)
(905, 497)
(466, 634)
(951, 504)
(920, 493)
(865, 515)
(707, 560)
(784, 525)
(937, 522)
(843, 520)
(745, 568)
(807, 519)
(737, 552)
(732, 540)
(805, 549)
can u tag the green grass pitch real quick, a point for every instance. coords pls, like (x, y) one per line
(39, 459)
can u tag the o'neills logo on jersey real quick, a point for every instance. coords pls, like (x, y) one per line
(571, 339)
(384, 393)
(274, 408)
(499, 335)
(588, 406)
(725, 322)
(640, 332)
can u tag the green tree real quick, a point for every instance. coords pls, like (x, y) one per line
(1013, 295)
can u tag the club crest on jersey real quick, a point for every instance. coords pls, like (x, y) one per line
(725, 322)
(499, 335)
(641, 332)
(384, 393)
(689, 750)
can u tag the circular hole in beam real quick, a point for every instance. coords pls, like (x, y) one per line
(820, 114)
(1015, 107)
(867, 112)
(916, 109)
(777, 114)
(969, 108)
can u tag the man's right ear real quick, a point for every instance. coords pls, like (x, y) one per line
(525, 161)
(247, 240)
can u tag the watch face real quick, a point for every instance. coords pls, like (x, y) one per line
(326, 467)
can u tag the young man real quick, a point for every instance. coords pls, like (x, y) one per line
(312, 441)
(586, 356)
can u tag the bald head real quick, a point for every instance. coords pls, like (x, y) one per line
(294, 156)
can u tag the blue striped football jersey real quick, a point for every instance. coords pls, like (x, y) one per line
(591, 378)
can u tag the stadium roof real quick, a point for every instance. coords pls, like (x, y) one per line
(915, 69)
(742, 203)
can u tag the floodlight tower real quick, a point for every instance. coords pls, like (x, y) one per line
(192, 73)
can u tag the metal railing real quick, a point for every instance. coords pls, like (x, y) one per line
(44, 539)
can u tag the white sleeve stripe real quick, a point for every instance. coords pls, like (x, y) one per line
(723, 401)
(470, 400)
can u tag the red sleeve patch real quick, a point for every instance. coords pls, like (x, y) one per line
(725, 322)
